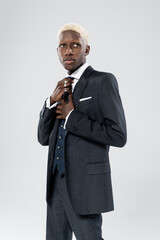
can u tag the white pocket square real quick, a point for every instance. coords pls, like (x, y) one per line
(84, 99)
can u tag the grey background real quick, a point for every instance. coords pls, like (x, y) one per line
(124, 38)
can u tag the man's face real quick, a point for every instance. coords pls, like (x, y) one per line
(72, 50)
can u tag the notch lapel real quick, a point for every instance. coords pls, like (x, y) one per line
(79, 88)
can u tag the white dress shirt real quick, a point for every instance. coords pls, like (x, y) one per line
(76, 75)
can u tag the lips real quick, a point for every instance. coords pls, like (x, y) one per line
(68, 60)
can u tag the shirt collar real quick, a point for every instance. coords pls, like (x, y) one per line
(78, 73)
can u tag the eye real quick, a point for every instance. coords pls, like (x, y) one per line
(62, 45)
(76, 45)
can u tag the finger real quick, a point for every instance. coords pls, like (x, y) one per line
(64, 85)
(70, 91)
(58, 111)
(70, 97)
(71, 80)
(66, 89)
(65, 80)
(67, 84)
(62, 101)
(68, 79)
(59, 107)
(59, 116)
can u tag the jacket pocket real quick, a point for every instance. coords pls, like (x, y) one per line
(85, 99)
(97, 168)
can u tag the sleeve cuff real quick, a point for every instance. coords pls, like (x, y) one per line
(48, 103)
(67, 119)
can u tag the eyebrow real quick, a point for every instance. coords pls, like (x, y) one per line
(74, 41)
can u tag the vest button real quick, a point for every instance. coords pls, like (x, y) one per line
(59, 147)
(60, 137)
(61, 126)
(57, 158)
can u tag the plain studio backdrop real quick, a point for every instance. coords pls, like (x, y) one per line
(124, 38)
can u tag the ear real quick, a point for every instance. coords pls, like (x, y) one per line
(87, 50)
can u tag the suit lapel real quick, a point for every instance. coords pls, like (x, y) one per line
(79, 88)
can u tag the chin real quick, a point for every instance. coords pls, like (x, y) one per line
(69, 68)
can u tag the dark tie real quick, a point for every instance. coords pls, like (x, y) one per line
(66, 94)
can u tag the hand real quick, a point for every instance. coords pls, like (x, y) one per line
(64, 108)
(60, 89)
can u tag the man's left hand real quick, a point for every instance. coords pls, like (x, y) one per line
(64, 108)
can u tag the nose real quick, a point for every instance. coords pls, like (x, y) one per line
(68, 51)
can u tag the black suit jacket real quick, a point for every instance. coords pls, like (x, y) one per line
(97, 123)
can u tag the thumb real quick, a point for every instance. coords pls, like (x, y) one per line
(70, 97)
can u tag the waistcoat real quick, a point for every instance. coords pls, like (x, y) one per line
(59, 151)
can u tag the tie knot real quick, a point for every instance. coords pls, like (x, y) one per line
(70, 77)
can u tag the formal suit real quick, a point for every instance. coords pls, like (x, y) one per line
(96, 123)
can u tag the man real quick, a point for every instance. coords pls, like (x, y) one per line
(81, 119)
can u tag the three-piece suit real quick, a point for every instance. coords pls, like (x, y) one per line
(96, 123)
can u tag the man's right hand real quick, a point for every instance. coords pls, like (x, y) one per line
(60, 89)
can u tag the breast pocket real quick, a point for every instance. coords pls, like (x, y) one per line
(85, 104)
(85, 99)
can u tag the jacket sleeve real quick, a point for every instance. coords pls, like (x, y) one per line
(111, 130)
(46, 123)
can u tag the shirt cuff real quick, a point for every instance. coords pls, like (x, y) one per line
(48, 105)
(67, 119)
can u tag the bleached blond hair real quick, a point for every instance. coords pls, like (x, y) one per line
(76, 28)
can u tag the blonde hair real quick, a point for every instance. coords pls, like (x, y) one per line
(76, 28)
